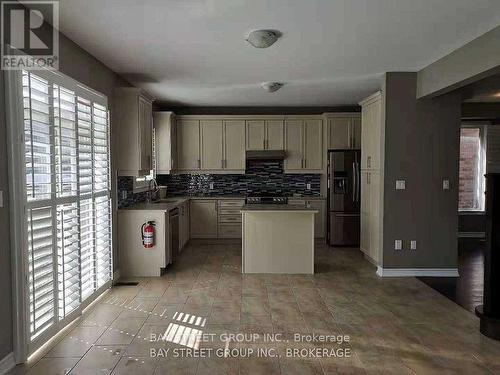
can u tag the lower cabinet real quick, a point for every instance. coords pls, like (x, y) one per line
(230, 218)
(203, 218)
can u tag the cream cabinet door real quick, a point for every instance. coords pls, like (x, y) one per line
(319, 217)
(294, 144)
(211, 144)
(366, 135)
(356, 133)
(275, 135)
(188, 144)
(146, 132)
(339, 133)
(313, 155)
(203, 217)
(234, 145)
(256, 134)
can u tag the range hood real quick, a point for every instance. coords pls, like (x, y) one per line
(266, 155)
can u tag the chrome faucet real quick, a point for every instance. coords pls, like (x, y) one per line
(152, 190)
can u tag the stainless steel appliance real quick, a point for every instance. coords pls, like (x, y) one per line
(344, 180)
(173, 216)
(266, 199)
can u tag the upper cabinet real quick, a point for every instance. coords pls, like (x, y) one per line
(265, 134)
(210, 144)
(304, 145)
(165, 142)
(134, 114)
(188, 145)
(371, 137)
(344, 130)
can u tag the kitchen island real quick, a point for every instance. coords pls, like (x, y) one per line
(278, 238)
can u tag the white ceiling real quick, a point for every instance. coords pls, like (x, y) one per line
(332, 52)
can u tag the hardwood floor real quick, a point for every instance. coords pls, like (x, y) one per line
(467, 289)
(378, 325)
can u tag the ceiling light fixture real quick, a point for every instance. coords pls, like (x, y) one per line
(262, 38)
(497, 95)
(271, 86)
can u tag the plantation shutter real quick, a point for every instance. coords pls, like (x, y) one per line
(68, 202)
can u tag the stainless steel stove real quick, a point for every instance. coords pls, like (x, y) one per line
(266, 199)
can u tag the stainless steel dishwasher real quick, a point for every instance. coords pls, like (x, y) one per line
(174, 234)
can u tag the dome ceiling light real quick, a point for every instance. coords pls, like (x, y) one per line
(272, 86)
(262, 38)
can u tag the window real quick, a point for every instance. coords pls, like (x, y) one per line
(472, 168)
(67, 200)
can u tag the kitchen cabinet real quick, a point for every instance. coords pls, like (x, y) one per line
(371, 134)
(304, 145)
(372, 178)
(212, 157)
(188, 145)
(234, 145)
(203, 218)
(135, 135)
(344, 131)
(229, 218)
(165, 142)
(265, 134)
(319, 217)
(184, 224)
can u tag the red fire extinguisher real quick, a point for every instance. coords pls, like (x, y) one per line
(148, 234)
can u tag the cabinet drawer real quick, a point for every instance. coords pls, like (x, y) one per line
(231, 203)
(230, 231)
(230, 218)
(229, 211)
(297, 202)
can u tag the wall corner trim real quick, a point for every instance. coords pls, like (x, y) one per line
(417, 272)
(7, 363)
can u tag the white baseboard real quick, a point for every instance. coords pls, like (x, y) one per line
(417, 272)
(7, 363)
(471, 235)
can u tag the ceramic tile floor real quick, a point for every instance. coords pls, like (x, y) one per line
(395, 326)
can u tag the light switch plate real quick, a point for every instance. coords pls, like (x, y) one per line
(124, 194)
(398, 245)
(413, 245)
(400, 184)
(1, 198)
(446, 184)
(308, 186)
(211, 186)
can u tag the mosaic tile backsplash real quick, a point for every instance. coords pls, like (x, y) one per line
(260, 177)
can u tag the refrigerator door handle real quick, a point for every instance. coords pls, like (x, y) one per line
(354, 182)
(358, 185)
(341, 214)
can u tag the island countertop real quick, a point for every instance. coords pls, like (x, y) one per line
(277, 208)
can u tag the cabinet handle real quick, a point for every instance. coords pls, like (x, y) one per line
(222, 163)
(264, 144)
(225, 163)
(199, 164)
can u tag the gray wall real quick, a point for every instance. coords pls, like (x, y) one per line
(422, 147)
(80, 65)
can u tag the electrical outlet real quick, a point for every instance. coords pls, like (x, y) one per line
(446, 184)
(398, 245)
(211, 185)
(308, 186)
(400, 184)
(1, 198)
(413, 245)
(124, 194)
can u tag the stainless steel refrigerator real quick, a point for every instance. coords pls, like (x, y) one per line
(344, 180)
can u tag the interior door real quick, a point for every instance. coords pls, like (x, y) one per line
(211, 144)
(313, 156)
(294, 144)
(256, 134)
(188, 144)
(234, 145)
(275, 135)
